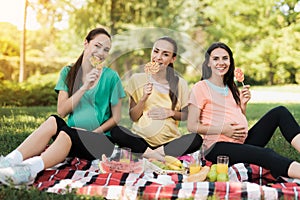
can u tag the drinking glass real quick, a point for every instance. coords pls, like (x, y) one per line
(195, 164)
(222, 164)
(125, 155)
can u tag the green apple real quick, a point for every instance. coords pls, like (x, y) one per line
(222, 177)
(212, 175)
(213, 167)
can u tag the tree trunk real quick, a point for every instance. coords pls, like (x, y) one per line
(23, 45)
(112, 17)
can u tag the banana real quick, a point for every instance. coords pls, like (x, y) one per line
(173, 167)
(159, 164)
(172, 160)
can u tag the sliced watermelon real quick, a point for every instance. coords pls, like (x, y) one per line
(107, 166)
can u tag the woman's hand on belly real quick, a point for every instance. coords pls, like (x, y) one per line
(159, 113)
(235, 131)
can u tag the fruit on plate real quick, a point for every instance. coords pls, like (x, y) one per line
(214, 176)
(173, 163)
(223, 177)
(159, 164)
(170, 163)
(198, 177)
(107, 166)
(172, 160)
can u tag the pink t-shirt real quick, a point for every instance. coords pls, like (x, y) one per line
(216, 109)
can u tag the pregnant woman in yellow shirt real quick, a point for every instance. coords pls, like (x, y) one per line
(156, 108)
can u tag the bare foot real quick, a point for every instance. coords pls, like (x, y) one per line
(149, 153)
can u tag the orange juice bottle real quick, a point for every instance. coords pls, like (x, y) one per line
(194, 168)
(222, 168)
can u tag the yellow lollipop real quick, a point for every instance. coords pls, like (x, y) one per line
(96, 62)
(151, 68)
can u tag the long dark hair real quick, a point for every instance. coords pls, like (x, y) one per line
(229, 76)
(72, 82)
(172, 78)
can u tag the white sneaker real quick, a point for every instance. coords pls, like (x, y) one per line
(16, 175)
(5, 162)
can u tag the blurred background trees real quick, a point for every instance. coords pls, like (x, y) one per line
(264, 36)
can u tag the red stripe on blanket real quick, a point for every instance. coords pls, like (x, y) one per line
(84, 176)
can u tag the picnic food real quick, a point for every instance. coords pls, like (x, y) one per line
(159, 164)
(194, 168)
(239, 75)
(214, 175)
(107, 166)
(198, 177)
(223, 177)
(170, 163)
(222, 168)
(173, 163)
(173, 160)
(151, 68)
(96, 62)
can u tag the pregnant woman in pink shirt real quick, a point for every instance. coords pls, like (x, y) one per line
(217, 111)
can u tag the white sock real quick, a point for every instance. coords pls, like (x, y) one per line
(15, 156)
(36, 165)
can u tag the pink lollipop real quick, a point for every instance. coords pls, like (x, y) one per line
(239, 75)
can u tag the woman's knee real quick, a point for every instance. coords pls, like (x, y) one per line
(63, 136)
(120, 133)
(51, 124)
(280, 109)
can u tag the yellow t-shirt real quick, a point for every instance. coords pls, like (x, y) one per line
(156, 132)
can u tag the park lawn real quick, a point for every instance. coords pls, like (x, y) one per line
(18, 122)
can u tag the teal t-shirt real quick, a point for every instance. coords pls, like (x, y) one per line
(94, 107)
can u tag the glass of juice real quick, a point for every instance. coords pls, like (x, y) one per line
(125, 155)
(195, 164)
(222, 164)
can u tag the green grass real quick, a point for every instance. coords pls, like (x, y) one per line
(277, 142)
(18, 122)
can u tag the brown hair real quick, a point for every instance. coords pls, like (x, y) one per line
(172, 78)
(229, 76)
(72, 82)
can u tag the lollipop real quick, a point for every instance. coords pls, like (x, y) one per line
(239, 75)
(96, 62)
(151, 68)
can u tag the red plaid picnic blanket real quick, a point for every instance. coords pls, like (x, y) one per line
(246, 182)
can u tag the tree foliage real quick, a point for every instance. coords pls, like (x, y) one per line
(257, 32)
(264, 35)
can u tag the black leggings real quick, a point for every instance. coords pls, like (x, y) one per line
(85, 144)
(253, 150)
(183, 145)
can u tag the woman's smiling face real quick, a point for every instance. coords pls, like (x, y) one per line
(98, 47)
(219, 62)
(162, 53)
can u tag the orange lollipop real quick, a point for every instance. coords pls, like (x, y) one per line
(239, 75)
(96, 62)
(151, 68)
